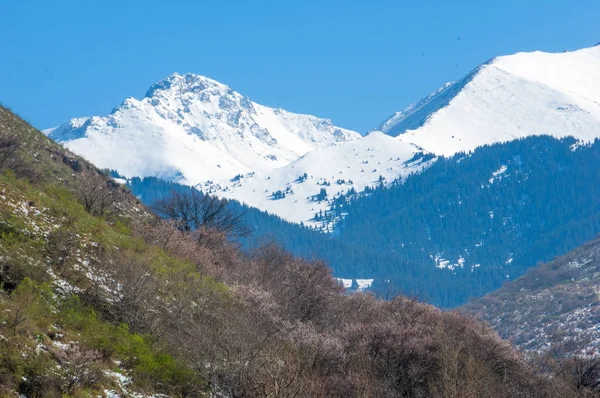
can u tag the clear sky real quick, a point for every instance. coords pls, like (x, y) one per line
(352, 61)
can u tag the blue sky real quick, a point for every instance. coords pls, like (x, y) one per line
(352, 61)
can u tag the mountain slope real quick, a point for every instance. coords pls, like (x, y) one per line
(455, 230)
(554, 304)
(507, 98)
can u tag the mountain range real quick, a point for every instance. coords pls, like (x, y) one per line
(196, 131)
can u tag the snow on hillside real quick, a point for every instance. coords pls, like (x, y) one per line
(196, 131)
(370, 161)
(507, 98)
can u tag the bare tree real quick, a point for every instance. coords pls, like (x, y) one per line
(585, 373)
(193, 210)
(581, 372)
(125, 287)
(97, 197)
(78, 367)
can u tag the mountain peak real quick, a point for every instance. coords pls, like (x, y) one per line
(186, 83)
(196, 128)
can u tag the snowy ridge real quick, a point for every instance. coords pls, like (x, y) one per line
(375, 159)
(507, 98)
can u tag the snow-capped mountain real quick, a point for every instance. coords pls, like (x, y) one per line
(196, 131)
(507, 98)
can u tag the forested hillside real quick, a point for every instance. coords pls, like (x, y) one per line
(102, 298)
(459, 229)
(347, 259)
(486, 216)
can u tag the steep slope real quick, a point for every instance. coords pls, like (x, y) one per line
(52, 341)
(195, 129)
(554, 304)
(42, 159)
(507, 98)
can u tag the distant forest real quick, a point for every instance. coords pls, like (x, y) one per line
(486, 216)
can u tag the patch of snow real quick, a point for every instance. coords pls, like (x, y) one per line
(501, 170)
(346, 283)
(498, 173)
(442, 263)
(364, 284)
